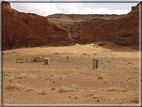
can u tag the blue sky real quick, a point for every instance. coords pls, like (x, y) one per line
(45, 9)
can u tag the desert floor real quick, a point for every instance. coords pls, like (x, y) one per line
(72, 81)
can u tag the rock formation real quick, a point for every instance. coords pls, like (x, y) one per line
(77, 24)
(29, 30)
(123, 31)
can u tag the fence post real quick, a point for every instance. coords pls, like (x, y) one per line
(46, 61)
(95, 63)
(26, 60)
(39, 59)
(67, 57)
(42, 59)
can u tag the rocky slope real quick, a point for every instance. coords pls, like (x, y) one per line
(77, 24)
(29, 30)
(123, 31)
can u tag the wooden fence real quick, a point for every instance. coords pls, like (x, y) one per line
(24, 60)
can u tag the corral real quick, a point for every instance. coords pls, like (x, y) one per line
(69, 78)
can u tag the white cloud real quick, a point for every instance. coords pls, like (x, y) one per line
(45, 9)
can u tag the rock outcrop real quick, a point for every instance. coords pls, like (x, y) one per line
(77, 24)
(123, 31)
(77, 28)
(29, 30)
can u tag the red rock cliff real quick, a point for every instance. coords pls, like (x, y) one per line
(26, 29)
(123, 31)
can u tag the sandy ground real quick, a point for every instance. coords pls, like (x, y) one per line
(72, 81)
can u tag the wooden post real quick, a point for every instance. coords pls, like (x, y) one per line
(46, 61)
(39, 59)
(67, 57)
(95, 64)
(42, 59)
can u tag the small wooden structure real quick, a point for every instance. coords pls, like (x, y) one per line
(36, 59)
(95, 63)
(19, 60)
(46, 61)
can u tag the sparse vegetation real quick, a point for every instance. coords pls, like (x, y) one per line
(74, 80)
(56, 53)
(76, 97)
(65, 89)
(135, 99)
(15, 86)
(24, 75)
(117, 89)
(101, 76)
(30, 89)
(53, 88)
(43, 92)
(7, 74)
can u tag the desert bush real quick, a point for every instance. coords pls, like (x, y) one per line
(100, 77)
(6, 74)
(30, 89)
(76, 97)
(65, 89)
(56, 53)
(15, 86)
(53, 88)
(117, 89)
(135, 99)
(74, 86)
(43, 92)
(10, 80)
(24, 75)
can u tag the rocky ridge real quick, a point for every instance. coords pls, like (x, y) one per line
(30, 30)
(77, 24)
(123, 31)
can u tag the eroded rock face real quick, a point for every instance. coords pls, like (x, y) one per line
(77, 28)
(77, 24)
(123, 31)
(29, 30)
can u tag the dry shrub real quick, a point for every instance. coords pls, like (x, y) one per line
(22, 76)
(65, 89)
(6, 74)
(43, 92)
(71, 88)
(19, 87)
(135, 99)
(76, 97)
(15, 86)
(74, 86)
(30, 89)
(117, 89)
(101, 76)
